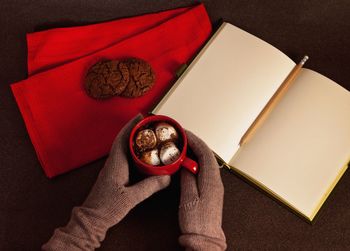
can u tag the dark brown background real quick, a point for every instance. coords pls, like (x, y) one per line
(31, 205)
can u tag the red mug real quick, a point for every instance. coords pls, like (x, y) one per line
(182, 161)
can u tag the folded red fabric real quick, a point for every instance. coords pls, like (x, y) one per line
(68, 128)
(75, 42)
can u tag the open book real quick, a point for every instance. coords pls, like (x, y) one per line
(302, 148)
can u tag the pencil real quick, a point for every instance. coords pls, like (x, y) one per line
(273, 101)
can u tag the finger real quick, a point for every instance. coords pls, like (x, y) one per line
(117, 162)
(145, 188)
(189, 189)
(209, 170)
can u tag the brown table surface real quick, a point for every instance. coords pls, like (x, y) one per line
(32, 206)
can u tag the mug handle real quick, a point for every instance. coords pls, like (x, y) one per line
(190, 165)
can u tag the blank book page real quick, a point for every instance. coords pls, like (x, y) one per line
(303, 145)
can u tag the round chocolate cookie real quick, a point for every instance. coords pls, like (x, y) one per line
(106, 78)
(141, 77)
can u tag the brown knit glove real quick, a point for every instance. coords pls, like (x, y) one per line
(201, 202)
(108, 202)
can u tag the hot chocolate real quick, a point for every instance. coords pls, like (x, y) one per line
(157, 144)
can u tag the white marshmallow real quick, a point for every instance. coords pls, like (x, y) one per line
(151, 157)
(169, 153)
(145, 140)
(165, 132)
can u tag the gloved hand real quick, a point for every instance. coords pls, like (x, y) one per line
(108, 202)
(201, 202)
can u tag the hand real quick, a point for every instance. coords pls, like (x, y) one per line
(110, 194)
(108, 202)
(201, 202)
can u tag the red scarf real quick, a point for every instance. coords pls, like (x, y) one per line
(69, 129)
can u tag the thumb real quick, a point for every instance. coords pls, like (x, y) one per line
(189, 190)
(145, 188)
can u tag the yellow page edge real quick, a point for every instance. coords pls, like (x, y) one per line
(330, 188)
(269, 191)
(279, 198)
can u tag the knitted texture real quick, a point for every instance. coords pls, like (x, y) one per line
(200, 210)
(108, 202)
(201, 202)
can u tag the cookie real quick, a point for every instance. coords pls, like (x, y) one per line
(141, 77)
(106, 78)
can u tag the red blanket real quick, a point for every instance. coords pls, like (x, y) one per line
(69, 129)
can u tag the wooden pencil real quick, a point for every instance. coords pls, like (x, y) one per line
(273, 101)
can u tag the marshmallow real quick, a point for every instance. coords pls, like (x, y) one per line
(151, 157)
(145, 140)
(169, 153)
(165, 132)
